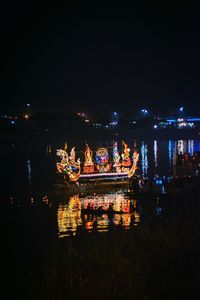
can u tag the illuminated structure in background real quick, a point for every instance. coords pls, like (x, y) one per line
(179, 123)
(105, 170)
(114, 119)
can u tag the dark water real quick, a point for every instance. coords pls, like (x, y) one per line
(28, 179)
(53, 240)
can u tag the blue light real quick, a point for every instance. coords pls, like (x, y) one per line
(12, 122)
(144, 111)
(181, 108)
(171, 120)
(193, 119)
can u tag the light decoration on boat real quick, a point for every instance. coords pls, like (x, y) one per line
(111, 174)
(88, 164)
(126, 161)
(68, 165)
(102, 159)
(116, 158)
(71, 168)
(72, 156)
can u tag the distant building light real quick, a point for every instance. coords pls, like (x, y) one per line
(171, 120)
(191, 124)
(114, 123)
(26, 117)
(186, 125)
(193, 119)
(87, 121)
(28, 104)
(144, 111)
(181, 108)
(155, 126)
(12, 122)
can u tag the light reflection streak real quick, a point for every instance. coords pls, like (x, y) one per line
(29, 171)
(180, 147)
(191, 147)
(144, 159)
(172, 154)
(69, 217)
(155, 150)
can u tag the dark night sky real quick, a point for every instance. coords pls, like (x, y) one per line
(100, 57)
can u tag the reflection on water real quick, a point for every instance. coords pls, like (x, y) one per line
(160, 163)
(29, 171)
(181, 146)
(170, 153)
(191, 147)
(144, 159)
(162, 166)
(155, 150)
(69, 216)
(99, 212)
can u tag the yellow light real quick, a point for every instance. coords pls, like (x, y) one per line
(26, 116)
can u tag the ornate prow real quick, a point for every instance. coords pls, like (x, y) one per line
(68, 165)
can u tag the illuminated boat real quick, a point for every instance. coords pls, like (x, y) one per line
(100, 170)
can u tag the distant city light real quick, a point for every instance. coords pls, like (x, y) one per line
(194, 119)
(28, 104)
(114, 123)
(144, 111)
(12, 122)
(26, 116)
(155, 126)
(181, 108)
(80, 114)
